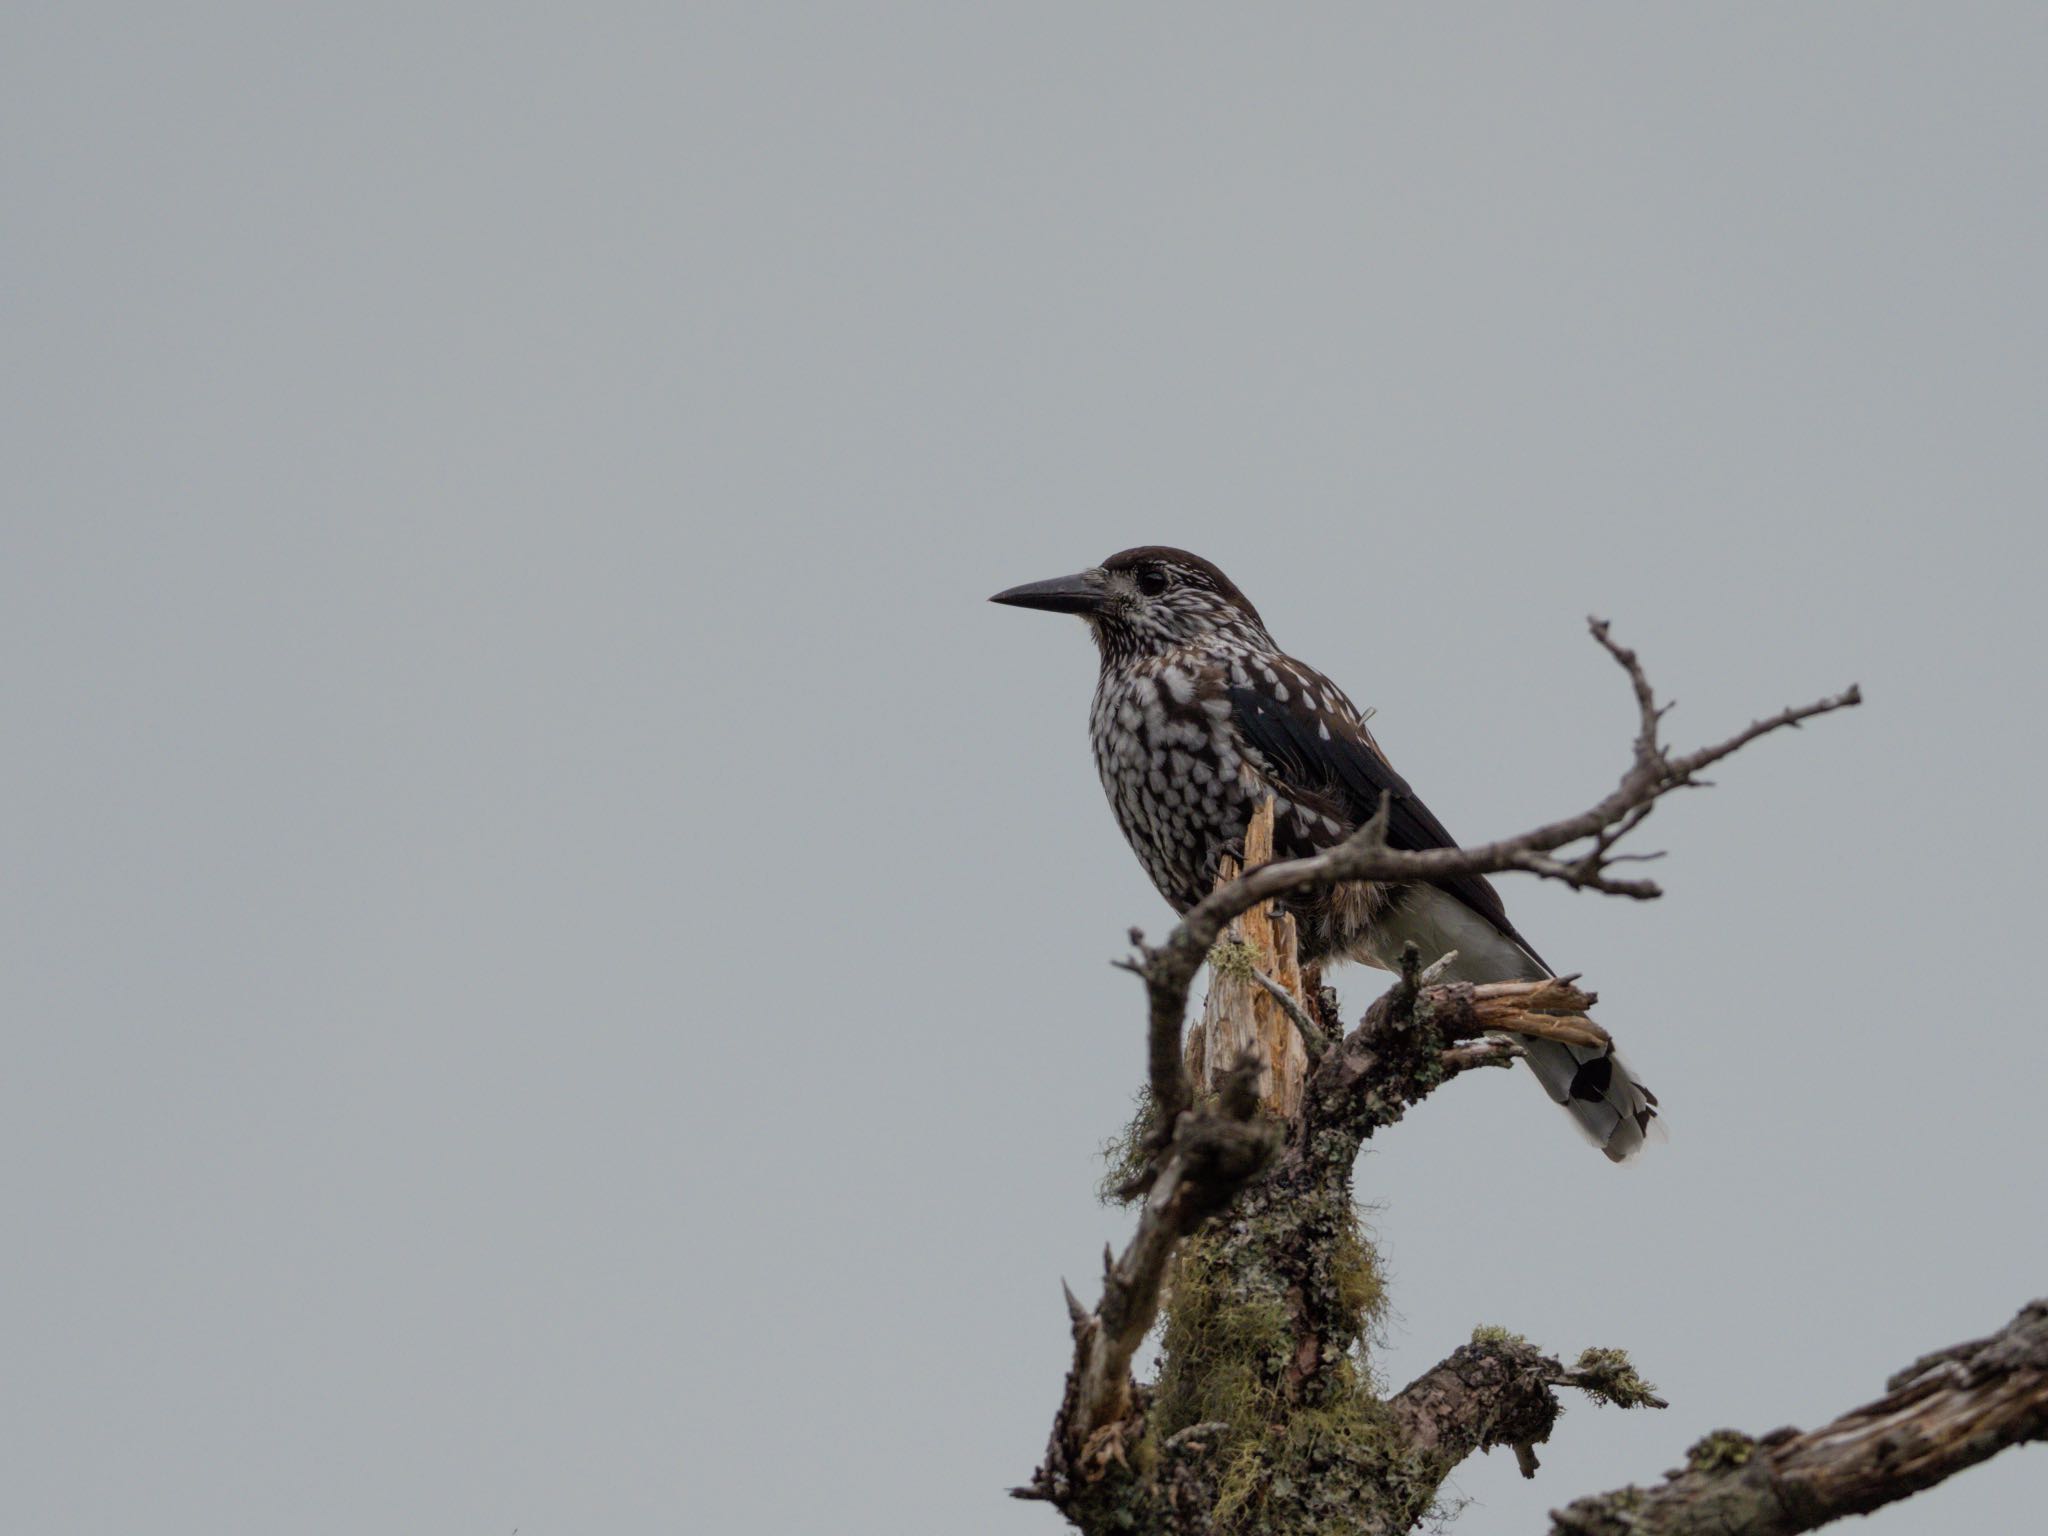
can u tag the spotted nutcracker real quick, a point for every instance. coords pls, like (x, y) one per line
(1198, 715)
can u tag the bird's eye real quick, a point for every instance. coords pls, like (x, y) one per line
(1152, 581)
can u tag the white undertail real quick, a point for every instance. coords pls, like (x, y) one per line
(1607, 1104)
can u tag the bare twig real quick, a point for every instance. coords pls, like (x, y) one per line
(1482, 1053)
(1436, 968)
(1313, 1040)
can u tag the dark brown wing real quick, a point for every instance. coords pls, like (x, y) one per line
(1330, 756)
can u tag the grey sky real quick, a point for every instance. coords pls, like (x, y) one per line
(554, 946)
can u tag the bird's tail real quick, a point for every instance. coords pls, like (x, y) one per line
(1614, 1110)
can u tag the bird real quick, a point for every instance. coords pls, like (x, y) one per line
(1199, 715)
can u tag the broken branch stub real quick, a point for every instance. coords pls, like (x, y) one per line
(1240, 1015)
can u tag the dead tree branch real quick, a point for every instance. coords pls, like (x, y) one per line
(1498, 1390)
(1264, 1416)
(1414, 1039)
(1939, 1416)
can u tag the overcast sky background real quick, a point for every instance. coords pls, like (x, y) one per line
(554, 966)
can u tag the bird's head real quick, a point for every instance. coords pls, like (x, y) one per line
(1147, 600)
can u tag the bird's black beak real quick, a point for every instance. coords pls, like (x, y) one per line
(1080, 593)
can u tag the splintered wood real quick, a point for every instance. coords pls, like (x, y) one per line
(1550, 1009)
(1239, 1014)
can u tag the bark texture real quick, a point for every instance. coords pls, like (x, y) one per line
(1940, 1415)
(1264, 1415)
(1256, 993)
